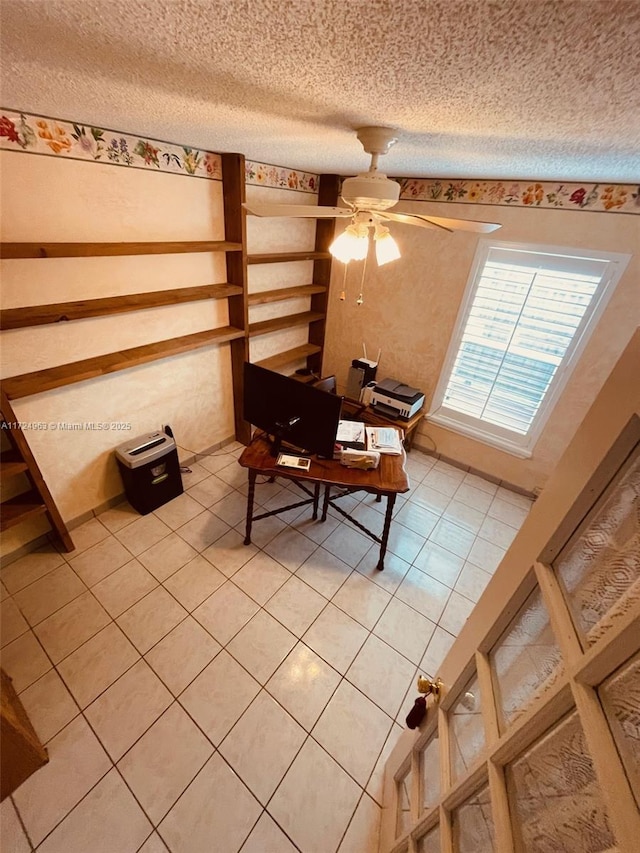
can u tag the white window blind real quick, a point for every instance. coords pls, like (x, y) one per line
(525, 312)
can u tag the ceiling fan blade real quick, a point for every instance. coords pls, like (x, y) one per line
(410, 219)
(297, 210)
(460, 224)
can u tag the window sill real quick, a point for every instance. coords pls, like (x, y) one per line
(496, 441)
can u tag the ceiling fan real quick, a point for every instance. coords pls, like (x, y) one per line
(369, 196)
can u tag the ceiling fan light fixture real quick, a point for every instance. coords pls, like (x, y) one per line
(386, 247)
(351, 245)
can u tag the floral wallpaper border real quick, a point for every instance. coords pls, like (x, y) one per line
(37, 134)
(603, 197)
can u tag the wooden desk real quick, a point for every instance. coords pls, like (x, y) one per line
(387, 480)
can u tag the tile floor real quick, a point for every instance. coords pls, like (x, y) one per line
(199, 695)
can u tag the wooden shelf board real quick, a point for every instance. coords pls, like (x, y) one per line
(274, 362)
(283, 257)
(285, 322)
(20, 508)
(89, 368)
(284, 293)
(11, 463)
(90, 250)
(38, 315)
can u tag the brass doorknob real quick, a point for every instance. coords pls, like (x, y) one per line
(426, 686)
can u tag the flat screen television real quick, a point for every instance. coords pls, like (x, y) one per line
(291, 413)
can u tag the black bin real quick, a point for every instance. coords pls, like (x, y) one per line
(150, 471)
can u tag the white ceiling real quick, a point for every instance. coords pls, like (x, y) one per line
(523, 89)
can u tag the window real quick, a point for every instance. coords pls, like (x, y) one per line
(527, 314)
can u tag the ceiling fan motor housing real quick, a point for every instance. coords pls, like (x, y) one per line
(371, 191)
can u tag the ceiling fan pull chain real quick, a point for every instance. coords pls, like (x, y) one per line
(343, 292)
(360, 298)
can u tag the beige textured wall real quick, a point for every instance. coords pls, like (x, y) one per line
(410, 308)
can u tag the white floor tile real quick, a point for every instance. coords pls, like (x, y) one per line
(97, 664)
(229, 553)
(195, 582)
(219, 695)
(107, 819)
(30, 568)
(196, 473)
(423, 593)
(233, 474)
(324, 572)
(406, 630)
(364, 830)
(225, 612)
(119, 516)
(478, 482)
(124, 587)
(296, 605)
(497, 532)
(216, 805)
(232, 509)
(353, 731)
(261, 577)
(472, 582)
(375, 785)
(151, 619)
(153, 844)
(443, 481)
(49, 705)
(164, 761)
(478, 498)
(388, 578)
(182, 655)
(426, 496)
(456, 613)
(143, 534)
(464, 515)
(417, 518)
(210, 490)
(169, 555)
(262, 745)
(290, 548)
(261, 646)
(315, 800)
(71, 626)
(267, 836)
(12, 837)
(100, 560)
(12, 622)
(126, 710)
(514, 498)
(361, 599)
(76, 763)
(203, 530)
(382, 674)
(24, 661)
(507, 512)
(303, 684)
(49, 594)
(486, 555)
(315, 529)
(441, 564)
(336, 637)
(452, 537)
(178, 511)
(347, 544)
(88, 534)
(262, 531)
(437, 650)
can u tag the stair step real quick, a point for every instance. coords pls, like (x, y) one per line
(11, 463)
(20, 508)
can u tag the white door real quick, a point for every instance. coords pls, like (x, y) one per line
(535, 742)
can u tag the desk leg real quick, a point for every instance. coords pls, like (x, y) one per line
(325, 503)
(391, 499)
(316, 500)
(250, 495)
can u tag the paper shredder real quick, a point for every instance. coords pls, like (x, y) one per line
(150, 470)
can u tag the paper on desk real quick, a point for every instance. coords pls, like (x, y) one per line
(384, 440)
(350, 431)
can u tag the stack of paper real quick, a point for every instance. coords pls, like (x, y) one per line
(384, 440)
(351, 434)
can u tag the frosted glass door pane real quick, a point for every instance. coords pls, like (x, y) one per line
(430, 843)
(600, 567)
(430, 773)
(555, 797)
(403, 818)
(526, 660)
(466, 730)
(473, 825)
(620, 697)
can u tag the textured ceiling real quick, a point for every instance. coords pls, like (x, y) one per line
(540, 89)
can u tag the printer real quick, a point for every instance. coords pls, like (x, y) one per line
(396, 400)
